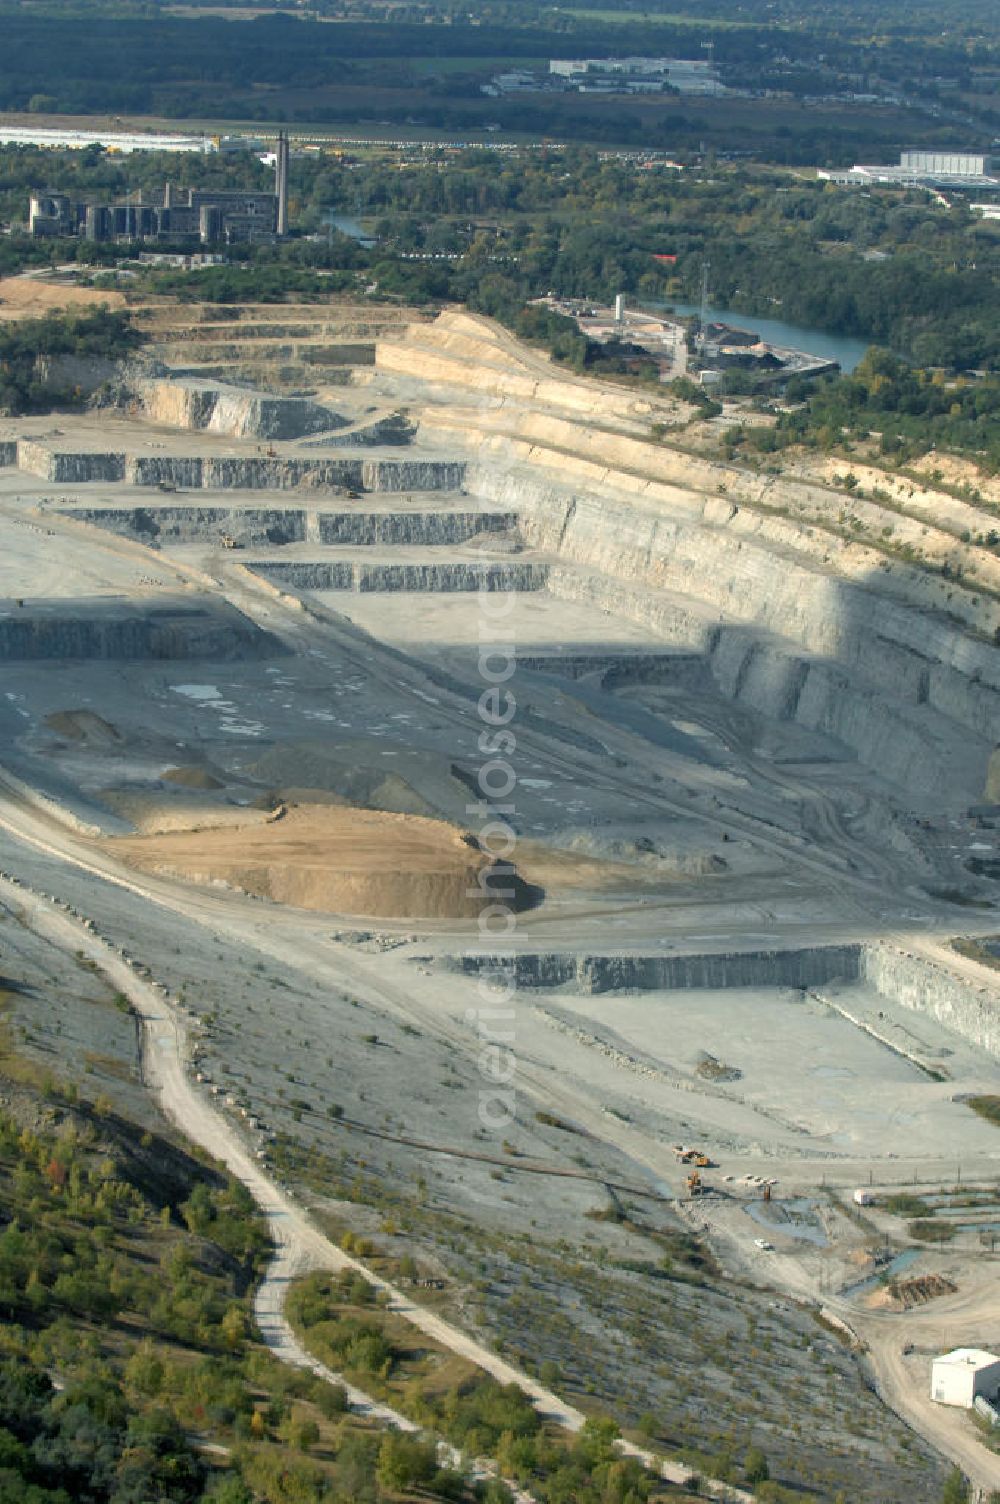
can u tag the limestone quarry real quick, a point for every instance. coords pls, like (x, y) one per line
(253, 604)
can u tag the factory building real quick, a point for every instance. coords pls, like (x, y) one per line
(918, 168)
(52, 214)
(637, 75)
(209, 215)
(123, 142)
(965, 1375)
(954, 164)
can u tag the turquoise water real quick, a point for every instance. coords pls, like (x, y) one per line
(349, 226)
(842, 348)
(796, 1217)
(895, 1266)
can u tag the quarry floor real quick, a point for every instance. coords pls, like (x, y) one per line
(650, 820)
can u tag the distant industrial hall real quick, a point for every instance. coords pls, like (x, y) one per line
(210, 215)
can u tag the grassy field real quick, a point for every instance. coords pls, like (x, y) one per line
(649, 18)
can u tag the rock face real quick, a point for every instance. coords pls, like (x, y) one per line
(217, 408)
(308, 575)
(76, 373)
(444, 578)
(906, 688)
(426, 528)
(992, 790)
(250, 525)
(848, 614)
(66, 468)
(926, 988)
(252, 473)
(630, 973)
(120, 632)
(902, 978)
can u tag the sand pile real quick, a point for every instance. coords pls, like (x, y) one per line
(152, 814)
(310, 765)
(83, 726)
(335, 860)
(191, 778)
(565, 868)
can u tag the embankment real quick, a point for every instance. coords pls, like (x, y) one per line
(969, 1009)
(58, 632)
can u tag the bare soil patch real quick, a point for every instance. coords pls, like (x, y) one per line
(31, 298)
(335, 860)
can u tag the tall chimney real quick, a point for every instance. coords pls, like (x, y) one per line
(281, 185)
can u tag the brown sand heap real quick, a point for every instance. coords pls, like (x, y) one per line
(336, 860)
(154, 814)
(191, 778)
(83, 726)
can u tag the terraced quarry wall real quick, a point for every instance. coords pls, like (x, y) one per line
(444, 578)
(631, 973)
(888, 678)
(215, 408)
(915, 982)
(918, 983)
(250, 525)
(122, 633)
(243, 473)
(777, 581)
(425, 528)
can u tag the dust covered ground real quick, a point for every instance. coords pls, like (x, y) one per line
(256, 710)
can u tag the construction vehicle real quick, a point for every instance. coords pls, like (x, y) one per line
(228, 541)
(694, 1157)
(694, 1185)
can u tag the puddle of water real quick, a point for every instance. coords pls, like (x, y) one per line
(241, 728)
(796, 1218)
(196, 691)
(894, 1266)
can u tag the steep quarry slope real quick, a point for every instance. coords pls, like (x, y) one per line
(752, 711)
(218, 408)
(274, 345)
(848, 614)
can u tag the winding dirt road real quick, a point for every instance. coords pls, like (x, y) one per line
(299, 1245)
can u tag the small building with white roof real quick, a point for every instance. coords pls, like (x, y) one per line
(961, 1376)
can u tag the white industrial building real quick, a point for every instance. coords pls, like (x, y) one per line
(121, 141)
(953, 164)
(942, 169)
(964, 1375)
(638, 75)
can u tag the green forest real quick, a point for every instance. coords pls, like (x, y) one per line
(130, 1372)
(30, 377)
(423, 64)
(910, 411)
(494, 230)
